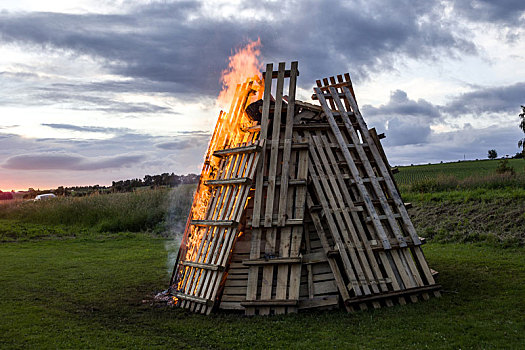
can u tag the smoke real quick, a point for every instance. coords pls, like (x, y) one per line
(179, 204)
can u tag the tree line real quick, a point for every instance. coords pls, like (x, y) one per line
(166, 180)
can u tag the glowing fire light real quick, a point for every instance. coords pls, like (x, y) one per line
(230, 131)
(243, 64)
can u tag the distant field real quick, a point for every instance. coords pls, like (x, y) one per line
(409, 174)
(145, 210)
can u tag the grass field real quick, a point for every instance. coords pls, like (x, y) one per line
(71, 278)
(460, 170)
(88, 293)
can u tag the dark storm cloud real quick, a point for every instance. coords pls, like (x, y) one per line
(407, 121)
(175, 52)
(400, 104)
(62, 161)
(499, 99)
(503, 11)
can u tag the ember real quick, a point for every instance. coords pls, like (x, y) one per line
(296, 206)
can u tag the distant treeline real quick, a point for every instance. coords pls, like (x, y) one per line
(163, 180)
(150, 181)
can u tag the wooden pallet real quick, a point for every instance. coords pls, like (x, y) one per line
(376, 243)
(299, 211)
(278, 211)
(224, 187)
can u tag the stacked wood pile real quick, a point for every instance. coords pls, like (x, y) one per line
(302, 211)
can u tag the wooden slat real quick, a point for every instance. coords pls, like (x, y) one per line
(227, 223)
(269, 302)
(273, 261)
(283, 195)
(235, 150)
(202, 266)
(224, 182)
(274, 152)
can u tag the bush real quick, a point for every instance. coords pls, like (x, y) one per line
(134, 211)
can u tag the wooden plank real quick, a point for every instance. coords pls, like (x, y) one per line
(258, 197)
(267, 278)
(253, 276)
(234, 181)
(227, 223)
(213, 267)
(234, 150)
(314, 258)
(269, 302)
(325, 287)
(410, 291)
(230, 305)
(291, 182)
(272, 172)
(193, 298)
(273, 261)
(319, 302)
(283, 195)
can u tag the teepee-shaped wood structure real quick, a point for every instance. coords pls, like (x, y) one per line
(297, 209)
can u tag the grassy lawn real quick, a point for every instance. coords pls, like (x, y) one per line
(88, 292)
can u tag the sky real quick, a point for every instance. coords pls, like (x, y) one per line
(95, 91)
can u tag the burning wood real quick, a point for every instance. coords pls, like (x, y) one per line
(296, 207)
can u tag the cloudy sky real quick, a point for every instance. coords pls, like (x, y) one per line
(95, 91)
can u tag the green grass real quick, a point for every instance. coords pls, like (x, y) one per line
(135, 211)
(460, 170)
(88, 293)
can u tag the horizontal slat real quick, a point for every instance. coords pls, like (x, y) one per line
(291, 182)
(237, 150)
(273, 261)
(270, 303)
(212, 267)
(383, 217)
(367, 179)
(404, 292)
(275, 74)
(329, 300)
(213, 223)
(193, 298)
(231, 305)
(289, 222)
(314, 258)
(223, 182)
(295, 146)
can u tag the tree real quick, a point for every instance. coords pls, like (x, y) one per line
(492, 154)
(521, 143)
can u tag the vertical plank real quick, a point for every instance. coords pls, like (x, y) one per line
(287, 144)
(274, 152)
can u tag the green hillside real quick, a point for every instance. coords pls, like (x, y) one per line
(409, 174)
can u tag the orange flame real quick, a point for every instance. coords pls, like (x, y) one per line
(241, 86)
(243, 64)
